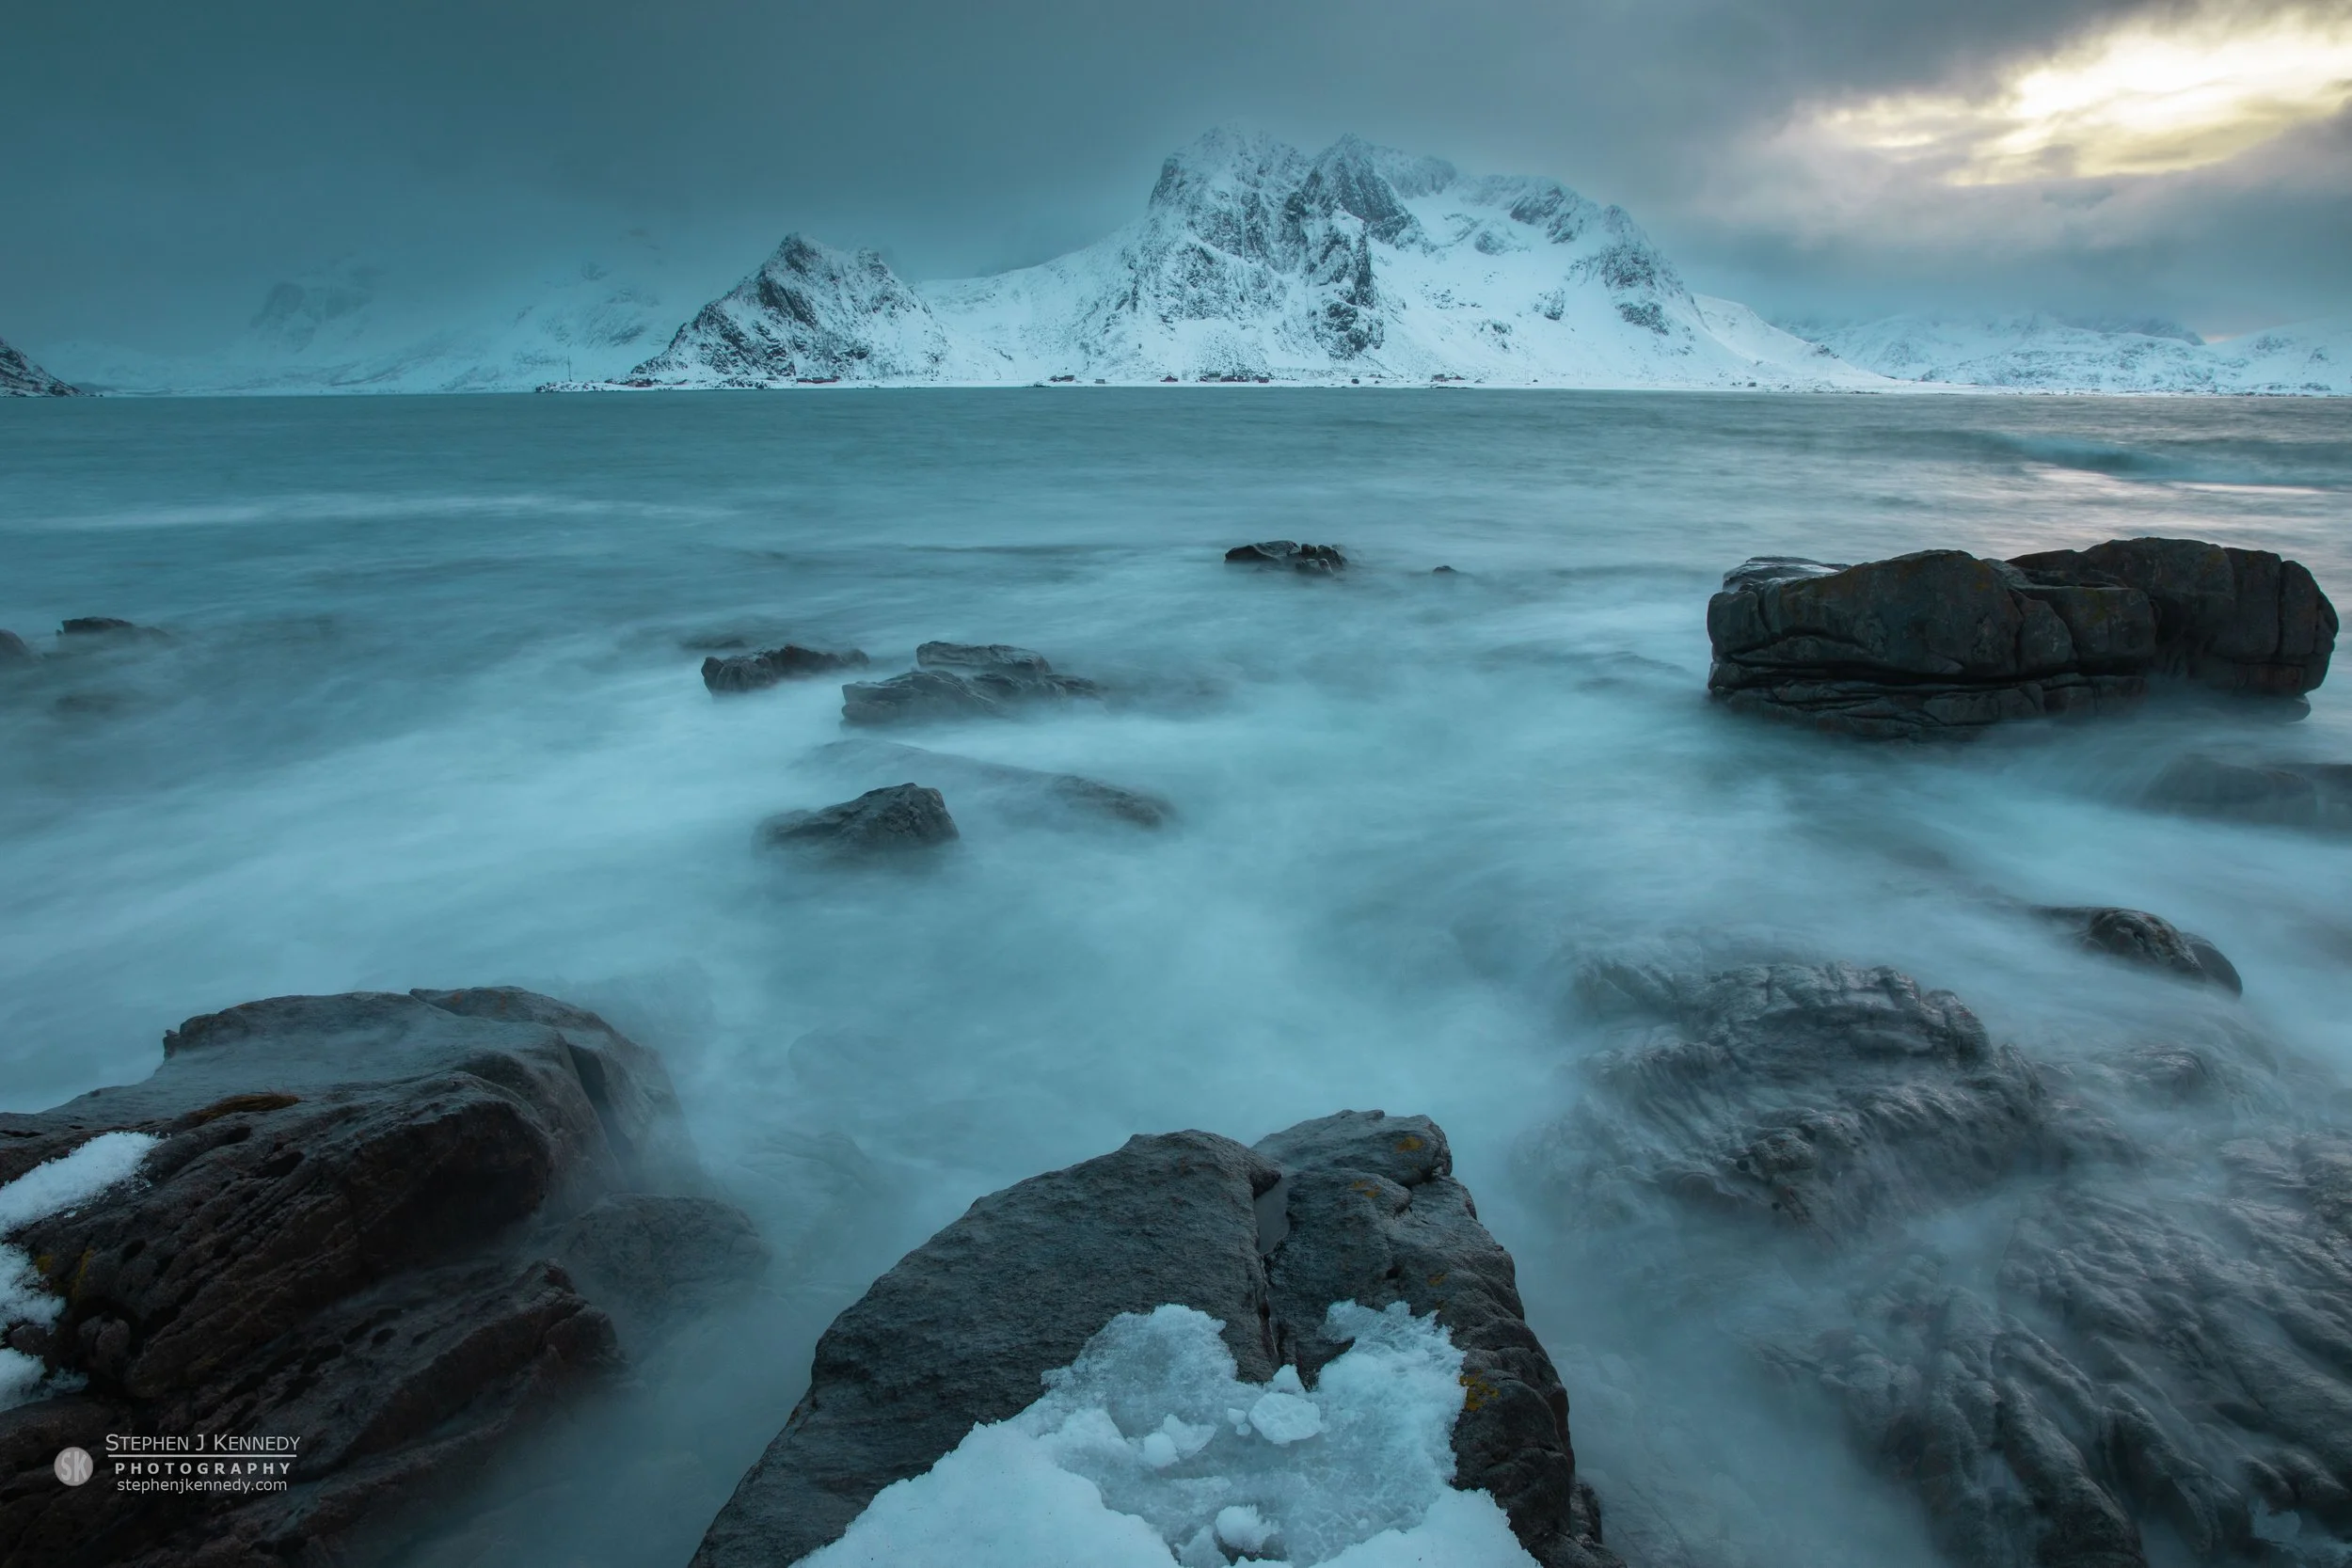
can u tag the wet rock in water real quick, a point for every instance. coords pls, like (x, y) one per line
(14, 650)
(760, 670)
(2282, 795)
(962, 680)
(1443, 572)
(2138, 937)
(2230, 619)
(898, 818)
(93, 629)
(2088, 1316)
(1024, 793)
(1322, 558)
(646, 1258)
(1941, 643)
(1353, 1207)
(347, 1232)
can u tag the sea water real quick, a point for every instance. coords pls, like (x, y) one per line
(428, 714)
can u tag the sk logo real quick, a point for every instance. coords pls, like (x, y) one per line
(73, 1467)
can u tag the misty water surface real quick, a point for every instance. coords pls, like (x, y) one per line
(427, 715)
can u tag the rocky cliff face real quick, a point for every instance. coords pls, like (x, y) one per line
(20, 378)
(1254, 261)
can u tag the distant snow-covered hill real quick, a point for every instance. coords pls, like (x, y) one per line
(2044, 354)
(1253, 261)
(337, 331)
(20, 378)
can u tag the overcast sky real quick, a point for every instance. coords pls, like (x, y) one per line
(168, 160)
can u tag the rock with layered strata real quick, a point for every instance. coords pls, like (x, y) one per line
(349, 1232)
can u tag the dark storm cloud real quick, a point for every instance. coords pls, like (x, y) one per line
(168, 160)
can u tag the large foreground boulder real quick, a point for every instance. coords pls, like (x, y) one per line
(1356, 1207)
(364, 1226)
(1943, 644)
(962, 680)
(2092, 1313)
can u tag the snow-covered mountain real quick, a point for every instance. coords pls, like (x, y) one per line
(2046, 354)
(342, 331)
(1253, 261)
(20, 378)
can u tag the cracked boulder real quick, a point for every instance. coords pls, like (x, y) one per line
(358, 1227)
(1942, 643)
(1356, 1207)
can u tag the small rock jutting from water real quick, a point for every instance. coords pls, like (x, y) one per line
(1027, 794)
(1034, 1289)
(899, 817)
(760, 670)
(1285, 552)
(2314, 795)
(2140, 938)
(962, 680)
(1942, 643)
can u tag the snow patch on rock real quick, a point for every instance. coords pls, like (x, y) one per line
(49, 1188)
(1148, 1451)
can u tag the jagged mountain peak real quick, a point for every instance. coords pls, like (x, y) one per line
(20, 378)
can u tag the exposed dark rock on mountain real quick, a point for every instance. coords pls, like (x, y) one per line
(760, 670)
(1027, 793)
(346, 1235)
(961, 1332)
(2285, 795)
(809, 315)
(1943, 644)
(2094, 1314)
(20, 378)
(961, 680)
(2138, 937)
(1298, 557)
(899, 817)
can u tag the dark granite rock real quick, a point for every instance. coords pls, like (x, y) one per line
(1943, 644)
(2230, 619)
(1318, 559)
(957, 680)
(1025, 793)
(2138, 937)
(962, 1331)
(103, 627)
(2282, 795)
(2089, 1315)
(760, 670)
(344, 1235)
(1936, 643)
(899, 817)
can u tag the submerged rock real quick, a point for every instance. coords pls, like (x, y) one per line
(1284, 552)
(1943, 644)
(348, 1233)
(1022, 792)
(14, 650)
(2138, 937)
(1357, 1207)
(2284, 795)
(760, 670)
(961, 680)
(899, 817)
(2085, 1314)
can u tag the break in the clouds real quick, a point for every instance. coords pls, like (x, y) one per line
(168, 162)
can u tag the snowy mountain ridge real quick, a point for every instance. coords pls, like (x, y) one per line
(20, 378)
(2046, 353)
(1253, 261)
(336, 331)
